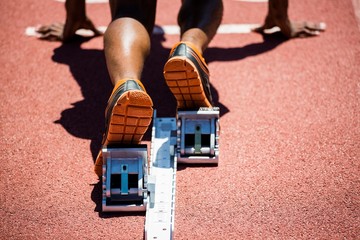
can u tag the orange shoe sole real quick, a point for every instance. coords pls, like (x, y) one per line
(184, 82)
(130, 118)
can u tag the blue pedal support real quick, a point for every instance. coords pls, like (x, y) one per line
(125, 173)
(198, 136)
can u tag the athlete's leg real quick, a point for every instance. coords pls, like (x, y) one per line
(199, 21)
(126, 45)
(127, 38)
(186, 72)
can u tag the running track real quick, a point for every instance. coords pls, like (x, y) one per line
(290, 139)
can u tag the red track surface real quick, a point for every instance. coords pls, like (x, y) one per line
(289, 166)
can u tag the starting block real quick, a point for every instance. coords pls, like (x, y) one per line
(130, 183)
(124, 178)
(198, 136)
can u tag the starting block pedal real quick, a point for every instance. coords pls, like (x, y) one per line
(198, 136)
(125, 173)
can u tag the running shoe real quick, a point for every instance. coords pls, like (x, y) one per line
(187, 76)
(127, 116)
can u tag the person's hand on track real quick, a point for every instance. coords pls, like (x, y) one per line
(292, 29)
(65, 32)
(306, 29)
(277, 16)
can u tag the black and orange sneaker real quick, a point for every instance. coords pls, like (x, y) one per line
(127, 116)
(187, 76)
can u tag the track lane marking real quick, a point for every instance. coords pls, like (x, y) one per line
(166, 29)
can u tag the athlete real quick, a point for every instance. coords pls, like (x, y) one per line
(127, 44)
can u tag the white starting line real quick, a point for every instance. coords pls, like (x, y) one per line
(169, 30)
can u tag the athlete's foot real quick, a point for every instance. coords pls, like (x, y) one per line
(187, 76)
(127, 116)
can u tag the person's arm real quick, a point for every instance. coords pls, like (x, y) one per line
(75, 19)
(278, 16)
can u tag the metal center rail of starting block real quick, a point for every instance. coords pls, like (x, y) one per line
(130, 183)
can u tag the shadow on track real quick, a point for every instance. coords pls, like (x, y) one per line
(88, 67)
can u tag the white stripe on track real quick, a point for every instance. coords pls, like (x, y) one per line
(168, 29)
